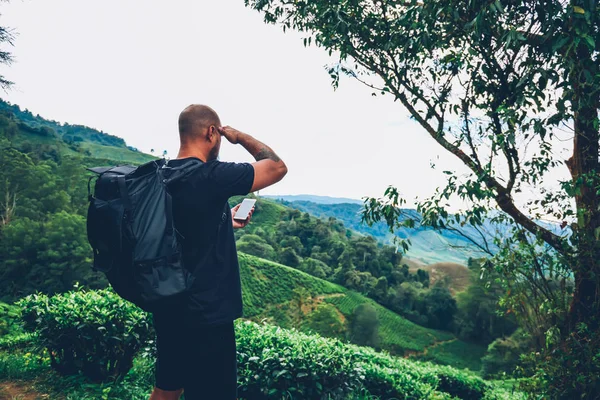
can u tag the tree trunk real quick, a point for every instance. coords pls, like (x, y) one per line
(583, 166)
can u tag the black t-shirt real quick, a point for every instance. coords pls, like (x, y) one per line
(202, 216)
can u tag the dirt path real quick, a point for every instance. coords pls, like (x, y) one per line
(411, 353)
(20, 391)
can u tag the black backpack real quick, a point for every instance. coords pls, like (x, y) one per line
(130, 228)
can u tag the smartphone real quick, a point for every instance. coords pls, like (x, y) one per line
(244, 211)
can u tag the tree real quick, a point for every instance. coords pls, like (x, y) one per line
(364, 326)
(440, 307)
(6, 37)
(256, 245)
(289, 257)
(478, 318)
(315, 267)
(493, 83)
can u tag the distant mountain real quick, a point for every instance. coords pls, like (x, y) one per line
(314, 199)
(428, 246)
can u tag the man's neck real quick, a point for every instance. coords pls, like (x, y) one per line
(185, 152)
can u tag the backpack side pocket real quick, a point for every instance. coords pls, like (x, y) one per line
(104, 228)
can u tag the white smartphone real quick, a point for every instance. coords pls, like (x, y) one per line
(244, 211)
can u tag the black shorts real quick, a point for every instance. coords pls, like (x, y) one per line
(201, 359)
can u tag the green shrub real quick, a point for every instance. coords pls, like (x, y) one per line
(9, 317)
(22, 365)
(461, 385)
(93, 332)
(275, 363)
(503, 354)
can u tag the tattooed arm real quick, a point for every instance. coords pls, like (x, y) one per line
(268, 168)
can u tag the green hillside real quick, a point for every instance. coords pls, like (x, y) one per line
(267, 285)
(28, 132)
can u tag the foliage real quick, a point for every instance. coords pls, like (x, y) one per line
(6, 38)
(276, 363)
(440, 306)
(479, 317)
(18, 365)
(17, 341)
(43, 201)
(51, 254)
(495, 84)
(427, 245)
(565, 369)
(256, 246)
(265, 283)
(504, 354)
(9, 320)
(91, 332)
(364, 326)
(67, 134)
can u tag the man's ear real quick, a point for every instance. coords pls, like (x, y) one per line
(212, 131)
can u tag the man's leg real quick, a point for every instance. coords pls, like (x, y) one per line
(212, 372)
(159, 394)
(171, 349)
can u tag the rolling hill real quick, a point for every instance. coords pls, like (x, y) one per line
(267, 285)
(64, 139)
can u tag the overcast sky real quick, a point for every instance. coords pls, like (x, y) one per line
(128, 67)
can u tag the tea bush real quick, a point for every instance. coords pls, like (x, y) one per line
(9, 318)
(93, 332)
(274, 363)
(98, 334)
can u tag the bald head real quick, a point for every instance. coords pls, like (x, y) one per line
(194, 120)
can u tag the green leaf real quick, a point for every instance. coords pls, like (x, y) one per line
(578, 10)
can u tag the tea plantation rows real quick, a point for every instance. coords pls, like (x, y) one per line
(267, 285)
(273, 363)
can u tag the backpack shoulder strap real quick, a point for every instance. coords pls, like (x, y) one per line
(180, 171)
(123, 191)
(119, 169)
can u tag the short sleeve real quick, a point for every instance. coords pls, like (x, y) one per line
(230, 179)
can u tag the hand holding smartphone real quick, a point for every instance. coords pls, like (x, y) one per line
(243, 212)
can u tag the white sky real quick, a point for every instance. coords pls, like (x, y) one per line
(128, 67)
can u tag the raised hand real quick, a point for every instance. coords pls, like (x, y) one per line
(231, 134)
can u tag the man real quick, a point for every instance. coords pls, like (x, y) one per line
(196, 343)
